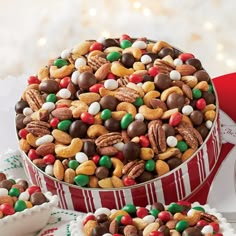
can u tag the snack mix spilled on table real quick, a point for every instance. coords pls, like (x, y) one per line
(115, 112)
(18, 196)
(156, 220)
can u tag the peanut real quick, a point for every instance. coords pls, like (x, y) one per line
(93, 182)
(138, 66)
(69, 176)
(61, 136)
(146, 153)
(187, 154)
(210, 115)
(148, 86)
(86, 168)
(24, 145)
(58, 170)
(202, 85)
(31, 139)
(162, 167)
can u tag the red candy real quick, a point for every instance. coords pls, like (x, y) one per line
(153, 71)
(120, 155)
(33, 155)
(33, 80)
(201, 104)
(184, 203)
(87, 118)
(64, 82)
(202, 223)
(156, 233)
(135, 78)
(175, 119)
(164, 216)
(49, 159)
(126, 220)
(96, 159)
(7, 209)
(142, 212)
(125, 37)
(33, 189)
(96, 46)
(23, 133)
(215, 226)
(111, 76)
(95, 88)
(185, 56)
(129, 181)
(144, 141)
(87, 218)
(54, 122)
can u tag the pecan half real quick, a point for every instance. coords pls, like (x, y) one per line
(189, 137)
(164, 66)
(108, 139)
(208, 217)
(38, 128)
(125, 94)
(134, 169)
(157, 103)
(34, 99)
(123, 81)
(95, 62)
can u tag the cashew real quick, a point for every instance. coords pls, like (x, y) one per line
(150, 227)
(148, 86)
(43, 73)
(202, 85)
(138, 66)
(117, 213)
(169, 59)
(78, 107)
(89, 97)
(146, 153)
(116, 182)
(113, 49)
(169, 153)
(187, 120)
(119, 70)
(209, 107)
(81, 48)
(93, 182)
(24, 146)
(136, 88)
(167, 114)
(96, 130)
(167, 92)
(118, 115)
(31, 139)
(159, 45)
(187, 154)
(162, 167)
(192, 220)
(105, 183)
(118, 166)
(86, 168)
(136, 52)
(149, 96)
(95, 53)
(103, 92)
(70, 150)
(59, 73)
(128, 107)
(97, 119)
(150, 114)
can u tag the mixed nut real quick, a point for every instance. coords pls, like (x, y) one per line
(115, 112)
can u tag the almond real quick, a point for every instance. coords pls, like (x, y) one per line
(61, 136)
(185, 69)
(6, 199)
(103, 71)
(46, 148)
(69, 176)
(62, 113)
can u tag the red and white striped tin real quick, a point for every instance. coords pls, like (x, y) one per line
(176, 185)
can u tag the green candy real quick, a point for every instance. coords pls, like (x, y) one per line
(118, 219)
(60, 63)
(81, 180)
(182, 146)
(13, 181)
(64, 125)
(210, 88)
(73, 164)
(150, 165)
(20, 205)
(199, 208)
(174, 208)
(125, 44)
(181, 225)
(113, 56)
(106, 114)
(105, 161)
(126, 120)
(51, 98)
(154, 212)
(197, 93)
(138, 102)
(130, 208)
(14, 192)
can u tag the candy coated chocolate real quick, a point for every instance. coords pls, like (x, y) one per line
(209, 97)
(6, 184)
(49, 86)
(102, 172)
(78, 129)
(109, 102)
(86, 80)
(202, 75)
(136, 128)
(112, 125)
(20, 105)
(162, 81)
(175, 100)
(196, 117)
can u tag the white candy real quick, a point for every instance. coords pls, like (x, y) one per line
(140, 84)
(25, 196)
(208, 124)
(178, 62)
(107, 234)
(94, 108)
(187, 110)
(171, 141)
(139, 44)
(49, 170)
(81, 157)
(49, 106)
(139, 116)
(80, 62)
(64, 93)
(44, 139)
(207, 229)
(175, 75)
(102, 210)
(74, 77)
(111, 84)
(119, 146)
(3, 192)
(191, 212)
(146, 59)
(65, 54)
(101, 39)
(27, 111)
(149, 219)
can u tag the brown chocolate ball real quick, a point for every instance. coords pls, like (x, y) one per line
(99, 230)
(110, 43)
(86, 80)
(145, 176)
(196, 117)
(19, 119)
(173, 162)
(20, 106)
(175, 100)
(169, 130)
(203, 130)
(2, 176)
(112, 125)
(102, 172)
(192, 231)
(127, 60)
(209, 97)
(109, 102)
(202, 75)
(158, 205)
(136, 128)
(131, 151)
(78, 129)
(38, 198)
(49, 86)
(165, 230)
(102, 218)
(89, 148)
(162, 81)
(194, 62)
(7, 184)
(23, 183)
(165, 52)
